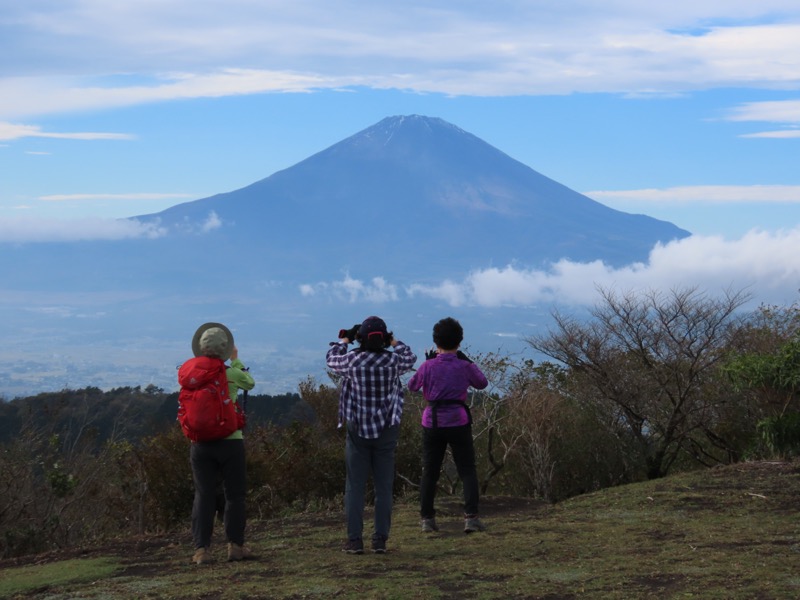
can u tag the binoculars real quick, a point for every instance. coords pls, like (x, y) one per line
(351, 333)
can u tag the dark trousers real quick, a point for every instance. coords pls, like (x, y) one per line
(434, 445)
(362, 457)
(210, 460)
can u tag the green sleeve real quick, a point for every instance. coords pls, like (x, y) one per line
(238, 378)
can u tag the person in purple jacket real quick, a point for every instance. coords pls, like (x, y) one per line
(444, 380)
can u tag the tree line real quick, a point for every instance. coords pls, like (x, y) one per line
(650, 383)
(126, 412)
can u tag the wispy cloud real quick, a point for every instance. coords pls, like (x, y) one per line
(49, 96)
(783, 134)
(783, 111)
(711, 194)
(13, 131)
(121, 197)
(28, 229)
(762, 262)
(242, 47)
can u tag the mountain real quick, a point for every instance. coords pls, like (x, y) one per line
(412, 200)
(420, 181)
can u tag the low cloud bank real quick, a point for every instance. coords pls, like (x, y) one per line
(763, 263)
(36, 229)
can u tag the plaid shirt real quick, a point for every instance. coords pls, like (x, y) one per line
(372, 395)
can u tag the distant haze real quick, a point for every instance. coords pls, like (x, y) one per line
(412, 219)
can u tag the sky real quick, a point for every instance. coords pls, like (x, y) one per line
(683, 111)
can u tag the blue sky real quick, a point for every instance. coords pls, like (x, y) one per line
(684, 111)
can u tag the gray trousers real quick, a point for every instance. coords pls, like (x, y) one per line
(362, 457)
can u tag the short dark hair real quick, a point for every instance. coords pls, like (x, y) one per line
(448, 334)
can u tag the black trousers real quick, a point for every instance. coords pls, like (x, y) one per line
(434, 445)
(210, 460)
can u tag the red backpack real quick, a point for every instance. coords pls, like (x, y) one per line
(205, 409)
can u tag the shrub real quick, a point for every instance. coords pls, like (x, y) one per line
(781, 435)
(53, 492)
(158, 485)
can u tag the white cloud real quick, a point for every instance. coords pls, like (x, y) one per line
(783, 111)
(37, 96)
(174, 49)
(37, 229)
(448, 291)
(377, 290)
(12, 131)
(121, 197)
(28, 229)
(763, 263)
(780, 134)
(712, 194)
(307, 290)
(212, 222)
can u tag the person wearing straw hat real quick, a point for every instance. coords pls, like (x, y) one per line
(220, 459)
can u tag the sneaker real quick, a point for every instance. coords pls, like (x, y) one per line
(237, 552)
(355, 546)
(379, 544)
(429, 525)
(472, 524)
(202, 556)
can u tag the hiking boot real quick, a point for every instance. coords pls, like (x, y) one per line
(355, 546)
(237, 552)
(429, 525)
(202, 556)
(379, 544)
(472, 524)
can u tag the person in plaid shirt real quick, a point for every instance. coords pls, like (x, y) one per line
(370, 407)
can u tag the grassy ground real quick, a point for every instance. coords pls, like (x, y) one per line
(726, 533)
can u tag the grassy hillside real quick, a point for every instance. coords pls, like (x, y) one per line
(731, 533)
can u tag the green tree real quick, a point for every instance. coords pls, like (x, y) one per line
(766, 368)
(769, 362)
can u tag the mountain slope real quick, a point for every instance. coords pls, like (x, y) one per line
(424, 182)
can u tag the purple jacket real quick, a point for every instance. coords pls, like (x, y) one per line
(446, 377)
